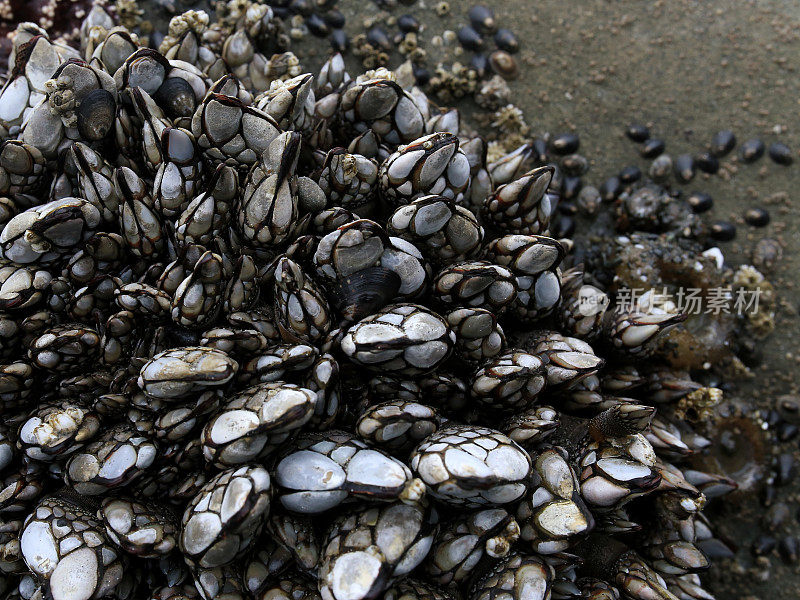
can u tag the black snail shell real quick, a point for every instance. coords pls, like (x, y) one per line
(780, 154)
(482, 18)
(751, 150)
(685, 168)
(652, 148)
(565, 143)
(700, 202)
(479, 62)
(723, 142)
(365, 292)
(470, 39)
(408, 23)
(506, 40)
(317, 26)
(707, 163)
(610, 189)
(638, 133)
(630, 174)
(96, 115)
(176, 97)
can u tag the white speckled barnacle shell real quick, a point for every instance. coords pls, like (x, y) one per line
(401, 338)
(472, 466)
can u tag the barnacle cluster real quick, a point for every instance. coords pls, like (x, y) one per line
(272, 335)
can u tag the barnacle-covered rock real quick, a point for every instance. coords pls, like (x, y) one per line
(196, 317)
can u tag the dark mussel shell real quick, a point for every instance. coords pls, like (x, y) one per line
(365, 292)
(176, 98)
(96, 115)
